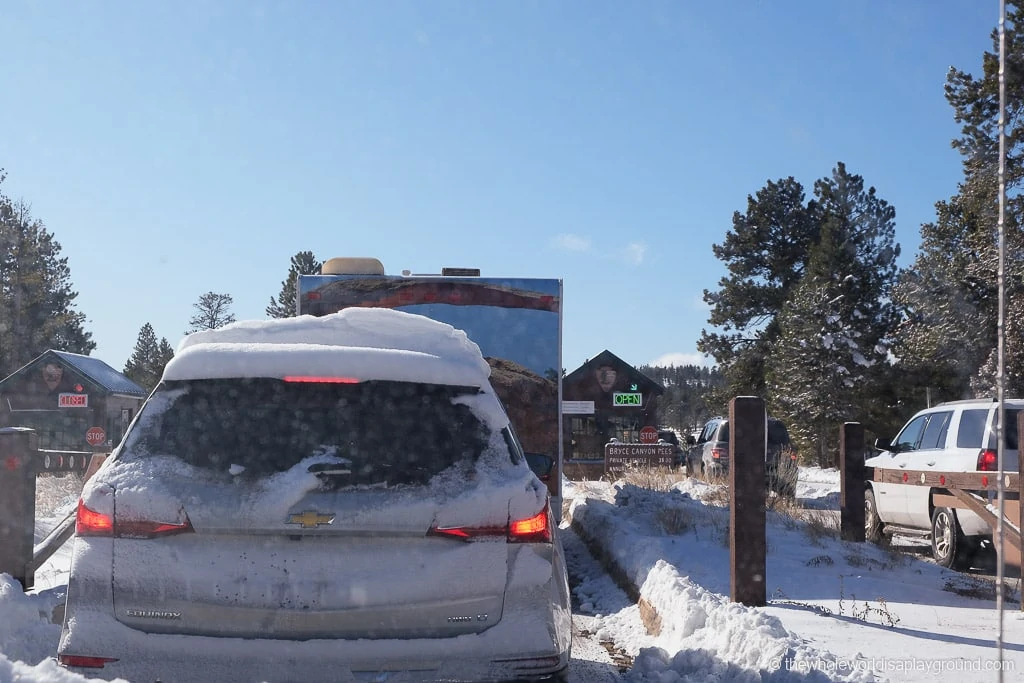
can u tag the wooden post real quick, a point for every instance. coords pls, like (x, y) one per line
(17, 503)
(851, 482)
(747, 544)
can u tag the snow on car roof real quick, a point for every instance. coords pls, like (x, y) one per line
(364, 343)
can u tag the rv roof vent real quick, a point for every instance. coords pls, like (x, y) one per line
(460, 272)
(352, 265)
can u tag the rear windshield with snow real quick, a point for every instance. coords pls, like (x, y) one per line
(380, 432)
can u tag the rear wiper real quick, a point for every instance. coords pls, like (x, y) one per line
(329, 468)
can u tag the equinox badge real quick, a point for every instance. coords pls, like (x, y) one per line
(310, 519)
(152, 614)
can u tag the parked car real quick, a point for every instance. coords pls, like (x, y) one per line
(334, 498)
(709, 454)
(959, 436)
(540, 464)
(670, 437)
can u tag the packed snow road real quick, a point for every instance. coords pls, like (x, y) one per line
(593, 591)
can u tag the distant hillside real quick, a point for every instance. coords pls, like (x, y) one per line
(685, 404)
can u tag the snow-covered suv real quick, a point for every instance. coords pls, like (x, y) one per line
(959, 436)
(336, 498)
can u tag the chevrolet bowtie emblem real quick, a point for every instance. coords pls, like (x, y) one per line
(310, 519)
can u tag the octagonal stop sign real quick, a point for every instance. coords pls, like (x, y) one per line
(649, 435)
(95, 436)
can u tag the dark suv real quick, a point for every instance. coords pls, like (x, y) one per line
(709, 455)
(670, 437)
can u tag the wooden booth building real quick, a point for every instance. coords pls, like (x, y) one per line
(74, 402)
(605, 399)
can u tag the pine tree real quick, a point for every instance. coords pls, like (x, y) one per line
(766, 255)
(37, 302)
(284, 305)
(164, 354)
(213, 310)
(948, 338)
(827, 364)
(141, 367)
(949, 306)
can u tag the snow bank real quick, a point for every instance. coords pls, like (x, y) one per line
(375, 328)
(704, 636)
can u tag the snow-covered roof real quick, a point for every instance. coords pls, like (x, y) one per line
(363, 343)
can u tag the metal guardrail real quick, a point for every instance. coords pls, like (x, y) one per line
(60, 535)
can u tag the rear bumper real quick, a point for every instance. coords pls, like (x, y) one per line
(145, 657)
(532, 639)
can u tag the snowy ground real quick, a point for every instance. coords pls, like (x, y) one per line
(837, 611)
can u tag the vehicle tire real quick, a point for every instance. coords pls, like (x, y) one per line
(872, 522)
(950, 547)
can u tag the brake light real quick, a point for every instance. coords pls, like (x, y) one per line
(84, 662)
(718, 453)
(320, 380)
(91, 523)
(988, 460)
(536, 529)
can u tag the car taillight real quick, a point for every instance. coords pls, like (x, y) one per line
(718, 453)
(84, 662)
(536, 529)
(988, 460)
(89, 522)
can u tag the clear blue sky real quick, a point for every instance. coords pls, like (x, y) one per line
(178, 148)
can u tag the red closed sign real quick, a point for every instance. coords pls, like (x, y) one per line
(95, 436)
(73, 400)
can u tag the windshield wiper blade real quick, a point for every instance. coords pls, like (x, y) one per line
(329, 468)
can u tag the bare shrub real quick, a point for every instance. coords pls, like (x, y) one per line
(674, 520)
(652, 478)
(719, 496)
(972, 587)
(822, 525)
(716, 477)
(785, 506)
(820, 560)
(566, 508)
(865, 611)
(783, 478)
